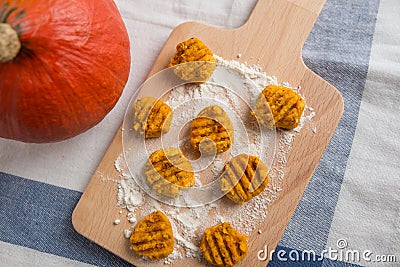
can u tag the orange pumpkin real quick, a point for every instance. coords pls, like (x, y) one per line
(68, 72)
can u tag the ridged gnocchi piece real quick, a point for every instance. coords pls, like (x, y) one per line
(202, 61)
(243, 178)
(151, 117)
(168, 171)
(212, 131)
(222, 245)
(285, 107)
(153, 236)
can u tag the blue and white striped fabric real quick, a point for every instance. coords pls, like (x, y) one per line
(351, 206)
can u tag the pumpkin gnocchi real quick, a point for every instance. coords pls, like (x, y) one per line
(212, 131)
(222, 245)
(279, 105)
(243, 178)
(152, 117)
(168, 171)
(153, 236)
(198, 58)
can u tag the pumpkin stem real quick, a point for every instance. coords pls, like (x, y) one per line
(9, 43)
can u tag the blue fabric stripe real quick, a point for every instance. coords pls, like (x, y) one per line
(331, 263)
(40, 218)
(286, 254)
(338, 49)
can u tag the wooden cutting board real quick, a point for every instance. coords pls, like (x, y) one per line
(273, 38)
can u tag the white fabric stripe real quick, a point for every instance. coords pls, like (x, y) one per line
(13, 255)
(367, 215)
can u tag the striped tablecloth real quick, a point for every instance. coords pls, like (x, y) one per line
(352, 203)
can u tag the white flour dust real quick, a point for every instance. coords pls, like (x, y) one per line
(190, 223)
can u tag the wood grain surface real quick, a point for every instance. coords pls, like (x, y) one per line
(273, 38)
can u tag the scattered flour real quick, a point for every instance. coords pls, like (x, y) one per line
(127, 233)
(190, 223)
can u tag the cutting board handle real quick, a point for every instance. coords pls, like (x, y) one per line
(278, 18)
